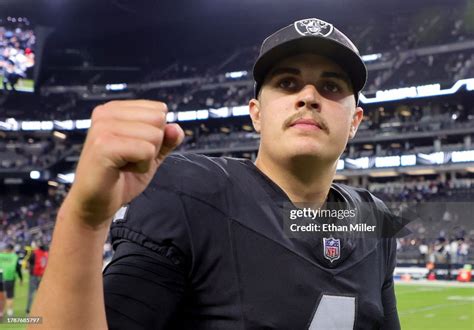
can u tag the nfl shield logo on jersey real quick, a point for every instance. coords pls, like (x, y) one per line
(332, 248)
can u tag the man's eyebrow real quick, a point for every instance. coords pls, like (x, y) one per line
(294, 71)
(283, 70)
(337, 75)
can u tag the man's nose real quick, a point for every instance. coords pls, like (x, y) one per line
(309, 98)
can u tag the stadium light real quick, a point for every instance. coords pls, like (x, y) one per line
(66, 178)
(187, 115)
(35, 175)
(59, 135)
(240, 111)
(53, 183)
(31, 126)
(223, 112)
(425, 171)
(359, 163)
(47, 125)
(371, 57)
(64, 124)
(433, 158)
(340, 164)
(417, 92)
(382, 174)
(381, 96)
(408, 160)
(83, 124)
(116, 87)
(391, 161)
(171, 117)
(462, 156)
(236, 74)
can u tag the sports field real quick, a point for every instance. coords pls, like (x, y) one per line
(436, 305)
(429, 305)
(23, 85)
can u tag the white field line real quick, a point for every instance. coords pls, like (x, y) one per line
(422, 289)
(461, 298)
(430, 308)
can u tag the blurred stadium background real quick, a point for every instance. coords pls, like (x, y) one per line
(59, 59)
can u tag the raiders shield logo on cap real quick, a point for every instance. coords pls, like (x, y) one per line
(332, 248)
(313, 27)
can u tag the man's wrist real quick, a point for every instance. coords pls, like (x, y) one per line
(71, 212)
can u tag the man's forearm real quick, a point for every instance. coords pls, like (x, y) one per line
(125, 145)
(71, 291)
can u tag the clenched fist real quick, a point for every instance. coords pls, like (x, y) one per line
(127, 142)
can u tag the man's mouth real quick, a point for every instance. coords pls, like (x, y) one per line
(307, 124)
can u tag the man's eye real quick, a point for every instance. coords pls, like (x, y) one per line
(331, 87)
(287, 83)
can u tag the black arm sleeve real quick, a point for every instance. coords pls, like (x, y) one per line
(142, 289)
(389, 301)
(391, 321)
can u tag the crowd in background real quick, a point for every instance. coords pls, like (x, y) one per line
(17, 54)
(26, 153)
(442, 229)
(410, 49)
(25, 219)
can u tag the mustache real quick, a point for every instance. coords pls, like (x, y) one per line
(321, 122)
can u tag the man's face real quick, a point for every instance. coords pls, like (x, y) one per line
(306, 107)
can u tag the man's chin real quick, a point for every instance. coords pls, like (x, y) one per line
(311, 153)
(308, 149)
(307, 156)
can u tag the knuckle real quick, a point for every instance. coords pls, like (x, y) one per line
(113, 103)
(158, 137)
(162, 117)
(98, 112)
(102, 139)
(162, 106)
(149, 150)
(157, 119)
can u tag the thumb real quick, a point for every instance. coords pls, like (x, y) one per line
(173, 137)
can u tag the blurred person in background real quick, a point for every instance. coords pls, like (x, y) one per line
(11, 268)
(37, 265)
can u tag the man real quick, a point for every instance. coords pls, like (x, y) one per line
(37, 265)
(10, 267)
(206, 244)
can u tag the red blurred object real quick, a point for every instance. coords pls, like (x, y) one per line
(464, 275)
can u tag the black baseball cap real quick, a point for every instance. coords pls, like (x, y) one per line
(311, 35)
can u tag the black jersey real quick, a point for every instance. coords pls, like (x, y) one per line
(203, 247)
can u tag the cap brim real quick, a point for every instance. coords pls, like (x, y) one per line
(349, 61)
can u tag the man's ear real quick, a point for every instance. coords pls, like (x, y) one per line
(254, 110)
(356, 120)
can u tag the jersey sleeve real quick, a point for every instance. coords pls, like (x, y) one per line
(145, 281)
(142, 289)
(392, 227)
(157, 220)
(389, 301)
